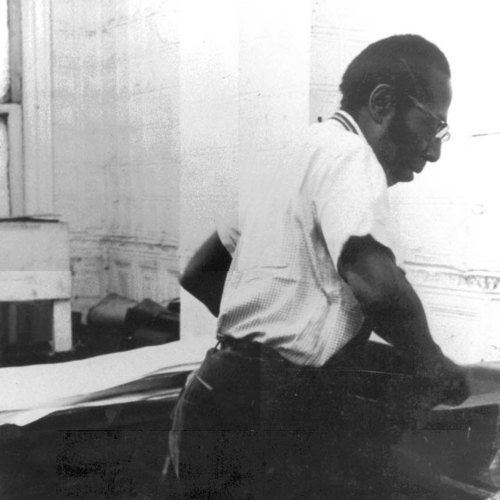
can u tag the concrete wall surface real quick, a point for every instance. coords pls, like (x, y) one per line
(115, 105)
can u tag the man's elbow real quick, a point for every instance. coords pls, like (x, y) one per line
(391, 306)
(375, 299)
(187, 281)
(378, 302)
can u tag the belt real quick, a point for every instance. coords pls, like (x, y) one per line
(252, 349)
(243, 346)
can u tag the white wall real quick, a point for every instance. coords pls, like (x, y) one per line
(4, 87)
(244, 89)
(116, 144)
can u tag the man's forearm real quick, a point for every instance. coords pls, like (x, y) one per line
(387, 298)
(405, 327)
(403, 323)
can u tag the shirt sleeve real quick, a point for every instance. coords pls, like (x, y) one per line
(229, 232)
(350, 196)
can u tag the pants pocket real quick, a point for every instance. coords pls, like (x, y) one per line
(191, 435)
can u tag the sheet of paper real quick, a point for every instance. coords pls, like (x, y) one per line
(37, 386)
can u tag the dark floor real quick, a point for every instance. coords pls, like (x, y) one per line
(113, 453)
(119, 453)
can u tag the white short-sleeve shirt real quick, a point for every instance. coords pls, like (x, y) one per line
(283, 288)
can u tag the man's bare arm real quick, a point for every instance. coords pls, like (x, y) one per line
(205, 274)
(390, 302)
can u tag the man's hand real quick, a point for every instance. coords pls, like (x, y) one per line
(451, 386)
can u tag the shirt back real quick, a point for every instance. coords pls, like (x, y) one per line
(283, 288)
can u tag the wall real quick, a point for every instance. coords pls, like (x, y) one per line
(244, 90)
(115, 105)
(4, 96)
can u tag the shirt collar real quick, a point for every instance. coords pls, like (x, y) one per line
(347, 121)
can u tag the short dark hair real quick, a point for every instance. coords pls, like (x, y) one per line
(402, 61)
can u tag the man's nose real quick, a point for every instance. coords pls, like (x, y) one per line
(433, 150)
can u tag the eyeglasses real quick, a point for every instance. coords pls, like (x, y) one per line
(442, 133)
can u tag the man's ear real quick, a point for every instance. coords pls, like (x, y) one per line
(382, 102)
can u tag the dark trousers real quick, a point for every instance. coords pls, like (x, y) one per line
(250, 424)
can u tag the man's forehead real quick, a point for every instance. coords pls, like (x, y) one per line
(439, 87)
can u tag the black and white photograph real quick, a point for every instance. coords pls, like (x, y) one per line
(249, 250)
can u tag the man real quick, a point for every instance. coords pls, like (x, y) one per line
(313, 271)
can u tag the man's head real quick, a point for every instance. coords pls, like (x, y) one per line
(398, 89)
